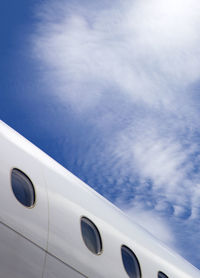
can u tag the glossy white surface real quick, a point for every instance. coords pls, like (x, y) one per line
(73, 199)
(17, 152)
(56, 269)
(19, 258)
(68, 200)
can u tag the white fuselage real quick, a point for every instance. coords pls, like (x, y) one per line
(45, 241)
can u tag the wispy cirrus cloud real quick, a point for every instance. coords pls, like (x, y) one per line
(131, 70)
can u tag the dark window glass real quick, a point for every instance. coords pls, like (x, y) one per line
(22, 188)
(162, 275)
(91, 236)
(130, 262)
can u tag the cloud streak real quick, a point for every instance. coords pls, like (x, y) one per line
(131, 70)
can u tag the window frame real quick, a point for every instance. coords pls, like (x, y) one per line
(97, 233)
(130, 251)
(162, 273)
(15, 169)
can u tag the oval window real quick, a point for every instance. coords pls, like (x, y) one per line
(91, 236)
(162, 275)
(22, 188)
(130, 262)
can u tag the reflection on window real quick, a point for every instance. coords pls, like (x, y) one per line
(22, 188)
(162, 275)
(130, 262)
(91, 236)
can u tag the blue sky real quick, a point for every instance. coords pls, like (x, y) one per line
(110, 90)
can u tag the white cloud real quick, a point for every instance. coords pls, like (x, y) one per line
(159, 157)
(131, 66)
(147, 49)
(153, 224)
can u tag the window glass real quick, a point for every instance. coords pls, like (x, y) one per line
(162, 275)
(130, 262)
(22, 188)
(91, 236)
